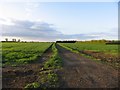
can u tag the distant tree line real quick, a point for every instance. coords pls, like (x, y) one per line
(113, 42)
(103, 41)
(65, 41)
(13, 40)
(92, 41)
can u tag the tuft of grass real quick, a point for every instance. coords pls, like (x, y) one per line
(32, 85)
(52, 79)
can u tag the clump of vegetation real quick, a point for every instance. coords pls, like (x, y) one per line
(49, 80)
(32, 85)
(55, 61)
(52, 79)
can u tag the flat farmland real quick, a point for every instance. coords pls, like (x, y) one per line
(93, 46)
(98, 50)
(30, 65)
(59, 65)
(22, 53)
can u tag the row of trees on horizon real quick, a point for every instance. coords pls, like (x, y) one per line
(13, 40)
(66, 41)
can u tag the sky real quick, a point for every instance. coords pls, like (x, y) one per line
(51, 21)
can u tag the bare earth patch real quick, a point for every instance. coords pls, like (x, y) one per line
(102, 56)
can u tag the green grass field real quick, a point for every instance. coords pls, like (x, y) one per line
(93, 46)
(22, 53)
(97, 50)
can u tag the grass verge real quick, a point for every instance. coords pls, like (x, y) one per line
(48, 74)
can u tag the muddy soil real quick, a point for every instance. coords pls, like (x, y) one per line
(102, 56)
(20, 76)
(81, 72)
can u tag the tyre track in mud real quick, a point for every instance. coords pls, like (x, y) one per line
(19, 76)
(81, 72)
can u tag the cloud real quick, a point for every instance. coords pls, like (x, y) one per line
(45, 31)
(5, 21)
(30, 29)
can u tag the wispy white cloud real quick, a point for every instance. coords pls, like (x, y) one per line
(45, 31)
(6, 21)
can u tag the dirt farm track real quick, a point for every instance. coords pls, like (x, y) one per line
(78, 71)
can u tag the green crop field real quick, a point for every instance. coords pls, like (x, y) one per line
(21, 53)
(93, 46)
(97, 50)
